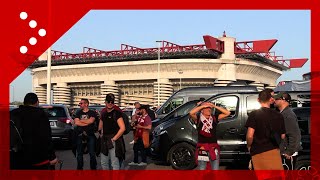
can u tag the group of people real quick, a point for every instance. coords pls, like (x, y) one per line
(38, 150)
(111, 128)
(273, 136)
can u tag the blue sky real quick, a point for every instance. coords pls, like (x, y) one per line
(106, 30)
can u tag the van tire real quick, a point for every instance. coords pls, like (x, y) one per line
(181, 156)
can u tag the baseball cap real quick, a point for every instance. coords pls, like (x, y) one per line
(144, 107)
(283, 95)
(109, 97)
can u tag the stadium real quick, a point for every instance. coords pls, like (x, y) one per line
(151, 75)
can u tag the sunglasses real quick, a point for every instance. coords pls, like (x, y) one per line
(110, 102)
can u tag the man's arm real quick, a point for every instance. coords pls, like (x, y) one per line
(78, 122)
(194, 111)
(249, 137)
(144, 127)
(224, 112)
(88, 121)
(121, 130)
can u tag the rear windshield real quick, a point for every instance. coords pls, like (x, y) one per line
(55, 111)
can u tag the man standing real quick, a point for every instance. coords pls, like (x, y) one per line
(134, 118)
(207, 150)
(261, 123)
(291, 145)
(84, 120)
(141, 138)
(112, 127)
(37, 151)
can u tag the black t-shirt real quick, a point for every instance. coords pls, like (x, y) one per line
(109, 119)
(213, 138)
(86, 115)
(260, 120)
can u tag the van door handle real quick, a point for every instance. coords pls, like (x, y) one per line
(232, 130)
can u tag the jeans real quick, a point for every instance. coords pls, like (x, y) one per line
(138, 146)
(111, 162)
(214, 163)
(91, 144)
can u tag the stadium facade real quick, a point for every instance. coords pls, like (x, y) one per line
(133, 74)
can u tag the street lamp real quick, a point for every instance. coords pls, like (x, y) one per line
(12, 93)
(180, 72)
(49, 76)
(158, 78)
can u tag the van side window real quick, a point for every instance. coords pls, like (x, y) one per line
(172, 105)
(252, 103)
(229, 102)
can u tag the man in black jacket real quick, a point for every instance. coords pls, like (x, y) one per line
(292, 143)
(37, 148)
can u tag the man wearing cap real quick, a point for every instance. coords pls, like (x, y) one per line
(141, 138)
(291, 144)
(112, 127)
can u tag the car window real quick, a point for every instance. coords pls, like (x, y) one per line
(185, 109)
(252, 103)
(173, 104)
(228, 102)
(55, 112)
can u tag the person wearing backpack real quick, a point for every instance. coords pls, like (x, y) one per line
(30, 123)
(111, 129)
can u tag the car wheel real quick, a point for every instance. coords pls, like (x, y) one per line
(303, 165)
(181, 156)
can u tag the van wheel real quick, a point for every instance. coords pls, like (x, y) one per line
(303, 165)
(181, 156)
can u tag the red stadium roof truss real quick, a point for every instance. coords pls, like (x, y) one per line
(260, 47)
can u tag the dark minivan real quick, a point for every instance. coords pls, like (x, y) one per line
(174, 140)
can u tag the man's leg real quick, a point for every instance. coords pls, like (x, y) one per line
(215, 163)
(79, 153)
(136, 152)
(92, 152)
(105, 162)
(114, 160)
(202, 165)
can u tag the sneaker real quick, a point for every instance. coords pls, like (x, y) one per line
(133, 164)
(142, 164)
(132, 142)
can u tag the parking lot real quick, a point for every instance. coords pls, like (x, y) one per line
(70, 163)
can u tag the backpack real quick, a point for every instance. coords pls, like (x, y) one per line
(126, 122)
(151, 114)
(16, 141)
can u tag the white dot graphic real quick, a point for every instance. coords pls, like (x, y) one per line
(42, 32)
(33, 41)
(33, 24)
(23, 15)
(23, 49)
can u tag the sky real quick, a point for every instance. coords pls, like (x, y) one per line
(108, 29)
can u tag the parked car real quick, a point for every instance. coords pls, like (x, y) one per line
(195, 93)
(60, 122)
(174, 140)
